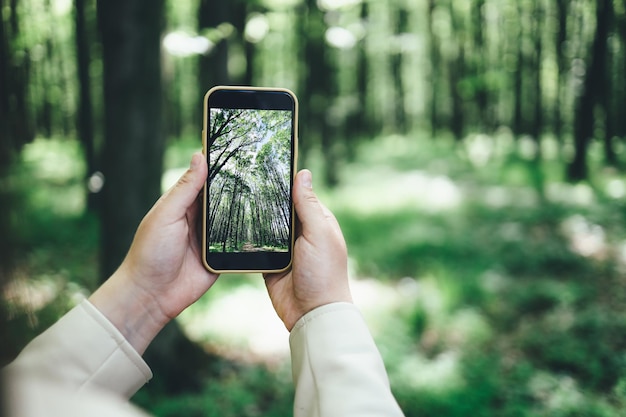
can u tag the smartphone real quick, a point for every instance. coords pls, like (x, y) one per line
(250, 142)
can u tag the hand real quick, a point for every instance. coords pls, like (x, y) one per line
(162, 273)
(319, 273)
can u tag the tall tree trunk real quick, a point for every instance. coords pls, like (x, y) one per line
(214, 66)
(15, 117)
(480, 63)
(608, 104)
(577, 170)
(15, 131)
(357, 123)
(5, 83)
(240, 13)
(518, 80)
(620, 68)
(8, 145)
(134, 144)
(607, 93)
(132, 164)
(435, 65)
(537, 126)
(561, 60)
(85, 108)
(48, 74)
(396, 72)
(318, 89)
(457, 69)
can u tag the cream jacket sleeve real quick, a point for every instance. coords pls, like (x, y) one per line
(337, 369)
(80, 360)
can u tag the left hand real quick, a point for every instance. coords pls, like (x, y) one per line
(162, 273)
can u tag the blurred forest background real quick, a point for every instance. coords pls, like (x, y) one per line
(473, 152)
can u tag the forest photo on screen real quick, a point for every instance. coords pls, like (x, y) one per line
(249, 204)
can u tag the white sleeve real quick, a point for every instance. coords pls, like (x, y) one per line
(83, 351)
(336, 366)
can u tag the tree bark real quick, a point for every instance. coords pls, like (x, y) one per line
(16, 127)
(396, 60)
(85, 109)
(577, 170)
(214, 66)
(134, 143)
(480, 64)
(537, 126)
(435, 64)
(561, 60)
(518, 81)
(132, 165)
(318, 89)
(457, 69)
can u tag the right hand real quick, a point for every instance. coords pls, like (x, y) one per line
(319, 272)
(162, 273)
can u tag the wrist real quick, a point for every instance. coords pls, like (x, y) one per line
(321, 311)
(134, 312)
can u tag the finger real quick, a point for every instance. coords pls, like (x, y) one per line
(194, 220)
(183, 194)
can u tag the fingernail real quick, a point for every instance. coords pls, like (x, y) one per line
(195, 161)
(307, 180)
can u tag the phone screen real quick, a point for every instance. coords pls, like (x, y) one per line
(250, 148)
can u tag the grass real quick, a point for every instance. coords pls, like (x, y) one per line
(492, 287)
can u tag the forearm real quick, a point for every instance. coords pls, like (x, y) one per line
(337, 368)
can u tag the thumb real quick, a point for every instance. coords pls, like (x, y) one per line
(312, 214)
(184, 193)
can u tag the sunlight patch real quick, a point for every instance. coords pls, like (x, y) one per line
(170, 177)
(257, 28)
(439, 374)
(340, 38)
(416, 189)
(183, 44)
(54, 175)
(616, 188)
(480, 149)
(585, 238)
(556, 392)
(241, 323)
(580, 194)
